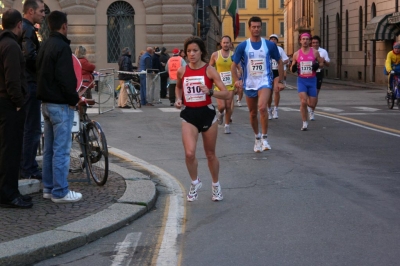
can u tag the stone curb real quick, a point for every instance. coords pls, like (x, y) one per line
(139, 197)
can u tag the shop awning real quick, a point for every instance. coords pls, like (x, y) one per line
(382, 28)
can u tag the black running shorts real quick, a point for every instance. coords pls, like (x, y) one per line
(201, 117)
(320, 76)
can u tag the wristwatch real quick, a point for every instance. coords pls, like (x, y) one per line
(211, 92)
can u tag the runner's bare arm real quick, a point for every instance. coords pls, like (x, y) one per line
(178, 88)
(223, 92)
(213, 59)
(237, 83)
(294, 62)
(319, 59)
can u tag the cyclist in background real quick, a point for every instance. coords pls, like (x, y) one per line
(393, 62)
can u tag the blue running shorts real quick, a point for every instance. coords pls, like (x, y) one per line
(254, 93)
(307, 85)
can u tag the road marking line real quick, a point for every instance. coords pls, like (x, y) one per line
(366, 109)
(363, 124)
(170, 252)
(330, 109)
(368, 114)
(169, 110)
(126, 249)
(131, 110)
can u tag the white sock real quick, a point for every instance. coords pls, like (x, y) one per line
(309, 109)
(305, 123)
(196, 181)
(258, 136)
(226, 125)
(276, 108)
(215, 184)
(264, 136)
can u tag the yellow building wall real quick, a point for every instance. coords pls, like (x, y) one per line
(272, 15)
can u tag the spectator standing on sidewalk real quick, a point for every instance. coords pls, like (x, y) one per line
(125, 64)
(57, 89)
(193, 93)
(144, 64)
(164, 77)
(33, 13)
(13, 90)
(87, 70)
(172, 66)
(315, 43)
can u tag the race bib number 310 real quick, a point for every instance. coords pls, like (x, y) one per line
(257, 67)
(192, 91)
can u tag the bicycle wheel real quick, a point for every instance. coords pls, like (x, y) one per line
(77, 161)
(97, 153)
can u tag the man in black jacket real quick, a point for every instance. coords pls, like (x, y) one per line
(164, 77)
(57, 89)
(12, 97)
(33, 13)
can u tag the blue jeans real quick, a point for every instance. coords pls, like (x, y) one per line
(32, 133)
(58, 119)
(143, 89)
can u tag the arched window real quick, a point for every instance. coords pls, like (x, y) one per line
(347, 30)
(327, 33)
(373, 10)
(120, 30)
(360, 28)
(44, 30)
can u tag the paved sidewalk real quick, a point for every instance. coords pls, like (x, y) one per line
(31, 235)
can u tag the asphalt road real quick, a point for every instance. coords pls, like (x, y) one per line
(328, 196)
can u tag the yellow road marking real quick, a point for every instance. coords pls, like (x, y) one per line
(360, 122)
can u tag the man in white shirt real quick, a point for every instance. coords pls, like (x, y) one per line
(277, 96)
(315, 42)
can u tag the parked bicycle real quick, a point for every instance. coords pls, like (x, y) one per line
(393, 93)
(89, 146)
(132, 87)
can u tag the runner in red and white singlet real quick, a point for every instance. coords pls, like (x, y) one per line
(193, 95)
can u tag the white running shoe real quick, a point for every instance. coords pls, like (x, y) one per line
(305, 125)
(258, 145)
(192, 195)
(216, 193)
(275, 116)
(227, 129)
(46, 195)
(312, 118)
(265, 146)
(238, 103)
(220, 118)
(70, 197)
(269, 113)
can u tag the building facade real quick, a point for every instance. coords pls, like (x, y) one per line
(299, 17)
(357, 34)
(270, 12)
(105, 27)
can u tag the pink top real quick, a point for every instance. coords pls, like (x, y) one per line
(305, 62)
